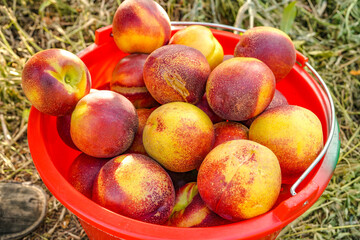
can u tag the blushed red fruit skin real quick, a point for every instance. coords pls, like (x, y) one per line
(176, 73)
(227, 131)
(212, 219)
(278, 100)
(235, 177)
(137, 145)
(103, 124)
(240, 88)
(178, 135)
(194, 211)
(140, 26)
(83, 171)
(156, 194)
(293, 133)
(270, 45)
(63, 129)
(45, 92)
(203, 105)
(127, 79)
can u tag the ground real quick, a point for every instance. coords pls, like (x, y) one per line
(328, 32)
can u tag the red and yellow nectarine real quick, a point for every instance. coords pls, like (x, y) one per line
(103, 124)
(240, 179)
(54, 80)
(140, 26)
(293, 133)
(135, 186)
(178, 135)
(270, 45)
(176, 73)
(240, 88)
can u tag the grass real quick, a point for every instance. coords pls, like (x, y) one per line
(328, 32)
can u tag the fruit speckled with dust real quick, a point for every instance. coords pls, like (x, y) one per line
(176, 73)
(178, 135)
(293, 133)
(136, 186)
(236, 175)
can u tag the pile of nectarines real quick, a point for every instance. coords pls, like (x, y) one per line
(184, 136)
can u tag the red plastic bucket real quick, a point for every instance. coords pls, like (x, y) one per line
(52, 157)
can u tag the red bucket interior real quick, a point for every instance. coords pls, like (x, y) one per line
(53, 158)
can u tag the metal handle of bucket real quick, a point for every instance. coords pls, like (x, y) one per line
(330, 111)
(331, 128)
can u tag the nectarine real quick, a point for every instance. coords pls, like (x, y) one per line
(178, 135)
(54, 80)
(140, 26)
(293, 133)
(103, 124)
(270, 45)
(176, 73)
(240, 179)
(240, 88)
(135, 186)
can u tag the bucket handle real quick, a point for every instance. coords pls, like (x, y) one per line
(331, 120)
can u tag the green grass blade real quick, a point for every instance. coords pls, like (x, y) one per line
(288, 17)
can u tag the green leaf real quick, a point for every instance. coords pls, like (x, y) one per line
(288, 17)
(326, 54)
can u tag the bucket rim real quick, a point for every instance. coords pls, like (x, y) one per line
(65, 192)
